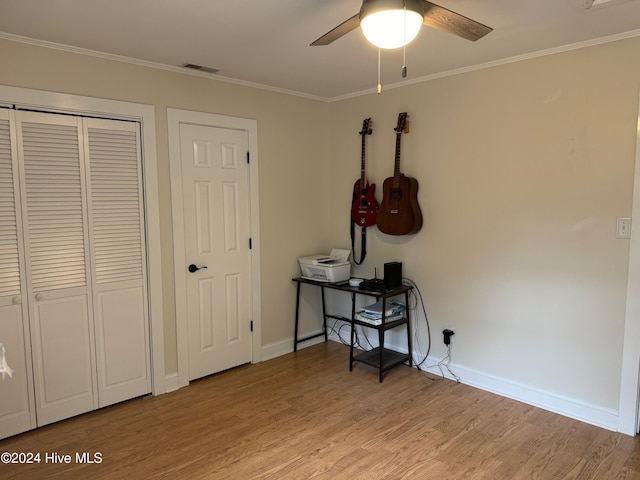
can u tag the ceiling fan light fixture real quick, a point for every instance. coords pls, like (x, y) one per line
(391, 23)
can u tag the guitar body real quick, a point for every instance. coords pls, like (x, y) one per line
(399, 212)
(364, 208)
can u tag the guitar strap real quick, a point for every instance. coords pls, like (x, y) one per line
(363, 239)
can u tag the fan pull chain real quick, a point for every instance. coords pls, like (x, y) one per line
(404, 62)
(379, 84)
(404, 46)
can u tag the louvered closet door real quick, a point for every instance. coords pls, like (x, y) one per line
(57, 262)
(117, 243)
(16, 390)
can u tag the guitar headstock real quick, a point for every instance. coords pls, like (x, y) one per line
(402, 122)
(366, 127)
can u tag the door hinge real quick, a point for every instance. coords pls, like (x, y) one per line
(248, 158)
(250, 243)
(251, 325)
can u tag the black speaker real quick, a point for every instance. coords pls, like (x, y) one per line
(392, 275)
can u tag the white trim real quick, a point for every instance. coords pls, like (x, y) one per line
(629, 380)
(426, 78)
(495, 63)
(158, 66)
(171, 381)
(174, 118)
(568, 407)
(277, 349)
(283, 347)
(145, 114)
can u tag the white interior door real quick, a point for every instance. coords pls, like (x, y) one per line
(53, 197)
(16, 398)
(215, 185)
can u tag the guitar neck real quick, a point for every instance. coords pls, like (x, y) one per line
(362, 164)
(396, 168)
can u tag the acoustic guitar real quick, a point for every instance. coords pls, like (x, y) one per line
(399, 212)
(364, 207)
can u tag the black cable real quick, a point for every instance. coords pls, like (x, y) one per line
(344, 324)
(447, 359)
(418, 295)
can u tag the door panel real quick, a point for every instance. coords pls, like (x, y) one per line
(62, 357)
(216, 217)
(15, 407)
(117, 243)
(72, 261)
(53, 197)
(120, 332)
(16, 390)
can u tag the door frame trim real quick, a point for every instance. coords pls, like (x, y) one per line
(630, 376)
(175, 117)
(53, 102)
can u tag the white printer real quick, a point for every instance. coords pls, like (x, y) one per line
(332, 268)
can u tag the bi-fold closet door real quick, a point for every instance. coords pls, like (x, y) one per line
(73, 296)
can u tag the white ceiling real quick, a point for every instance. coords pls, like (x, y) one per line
(266, 42)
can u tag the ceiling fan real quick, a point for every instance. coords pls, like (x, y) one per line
(424, 12)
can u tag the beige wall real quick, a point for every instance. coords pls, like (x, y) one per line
(523, 169)
(292, 144)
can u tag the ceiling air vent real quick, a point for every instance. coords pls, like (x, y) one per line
(200, 68)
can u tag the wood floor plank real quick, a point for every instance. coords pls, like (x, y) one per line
(305, 416)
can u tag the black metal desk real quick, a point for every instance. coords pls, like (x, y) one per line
(380, 357)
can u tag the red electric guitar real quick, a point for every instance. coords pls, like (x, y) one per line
(364, 208)
(399, 212)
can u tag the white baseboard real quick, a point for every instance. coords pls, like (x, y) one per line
(274, 350)
(569, 407)
(171, 382)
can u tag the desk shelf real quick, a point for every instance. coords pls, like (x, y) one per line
(384, 325)
(381, 357)
(390, 358)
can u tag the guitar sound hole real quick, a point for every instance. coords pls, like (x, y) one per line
(396, 194)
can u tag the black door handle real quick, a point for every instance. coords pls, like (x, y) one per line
(193, 268)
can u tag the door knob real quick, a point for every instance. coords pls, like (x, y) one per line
(39, 296)
(16, 300)
(193, 268)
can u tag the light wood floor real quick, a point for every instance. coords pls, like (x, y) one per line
(305, 416)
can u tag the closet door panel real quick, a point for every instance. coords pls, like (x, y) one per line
(118, 249)
(64, 380)
(122, 347)
(15, 407)
(16, 397)
(56, 244)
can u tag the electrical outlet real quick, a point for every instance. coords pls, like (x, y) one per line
(447, 334)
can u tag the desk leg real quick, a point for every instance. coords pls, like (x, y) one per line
(409, 342)
(381, 339)
(324, 315)
(353, 328)
(295, 334)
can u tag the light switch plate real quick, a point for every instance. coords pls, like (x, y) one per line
(623, 227)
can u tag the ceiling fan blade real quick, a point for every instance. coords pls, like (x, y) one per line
(439, 17)
(342, 29)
